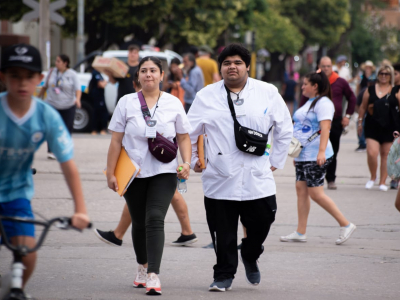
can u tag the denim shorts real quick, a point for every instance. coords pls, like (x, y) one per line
(311, 172)
(17, 208)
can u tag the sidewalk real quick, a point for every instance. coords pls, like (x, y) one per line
(80, 266)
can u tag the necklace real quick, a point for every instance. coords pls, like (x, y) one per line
(237, 94)
(380, 92)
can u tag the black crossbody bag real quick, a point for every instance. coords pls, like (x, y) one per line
(247, 140)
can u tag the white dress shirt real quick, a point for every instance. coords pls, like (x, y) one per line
(128, 118)
(232, 174)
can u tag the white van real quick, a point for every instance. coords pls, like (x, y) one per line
(83, 115)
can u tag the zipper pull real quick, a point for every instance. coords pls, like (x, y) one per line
(162, 151)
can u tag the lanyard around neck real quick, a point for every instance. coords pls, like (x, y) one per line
(159, 95)
(237, 94)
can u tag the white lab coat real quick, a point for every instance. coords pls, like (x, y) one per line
(232, 174)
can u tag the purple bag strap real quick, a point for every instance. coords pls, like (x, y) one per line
(143, 106)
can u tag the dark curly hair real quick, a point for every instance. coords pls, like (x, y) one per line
(235, 49)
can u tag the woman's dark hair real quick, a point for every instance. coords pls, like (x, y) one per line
(324, 87)
(235, 49)
(176, 61)
(154, 59)
(65, 59)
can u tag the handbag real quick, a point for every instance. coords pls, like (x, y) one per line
(45, 86)
(393, 159)
(295, 146)
(160, 147)
(247, 140)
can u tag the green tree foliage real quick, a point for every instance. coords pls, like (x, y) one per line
(275, 32)
(319, 21)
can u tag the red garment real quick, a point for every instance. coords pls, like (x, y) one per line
(333, 77)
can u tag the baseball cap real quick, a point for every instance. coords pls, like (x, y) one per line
(341, 58)
(23, 56)
(207, 49)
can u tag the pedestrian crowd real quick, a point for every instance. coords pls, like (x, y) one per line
(248, 132)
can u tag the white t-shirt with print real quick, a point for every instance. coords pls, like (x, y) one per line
(128, 118)
(306, 123)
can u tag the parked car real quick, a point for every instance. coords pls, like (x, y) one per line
(83, 115)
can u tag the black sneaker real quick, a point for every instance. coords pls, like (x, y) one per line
(253, 275)
(184, 240)
(108, 237)
(394, 184)
(221, 285)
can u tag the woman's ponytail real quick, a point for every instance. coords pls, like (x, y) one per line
(324, 87)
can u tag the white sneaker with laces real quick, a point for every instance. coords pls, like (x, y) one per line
(383, 188)
(345, 233)
(51, 156)
(294, 237)
(141, 277)
(153, 284)
(369, 184)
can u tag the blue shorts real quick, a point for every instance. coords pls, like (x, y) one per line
(17, 208)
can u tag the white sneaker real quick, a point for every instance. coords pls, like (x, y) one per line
(294, 237)
(51, 156)
(141, 277)
(383, 188)
(345, 233)
(369, 184)
(153, 284)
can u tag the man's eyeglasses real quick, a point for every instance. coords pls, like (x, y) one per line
(384, 74)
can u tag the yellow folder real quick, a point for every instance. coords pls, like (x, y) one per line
(125, 171)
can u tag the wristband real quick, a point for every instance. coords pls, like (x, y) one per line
(348, 116)
(188, 163)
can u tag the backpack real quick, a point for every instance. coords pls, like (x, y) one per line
(393, 160)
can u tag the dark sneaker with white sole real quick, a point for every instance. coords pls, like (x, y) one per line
(108, 237)
(253, 275)
(184, 240)
(221, 285)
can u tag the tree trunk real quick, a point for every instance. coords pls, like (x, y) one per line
(276, 73)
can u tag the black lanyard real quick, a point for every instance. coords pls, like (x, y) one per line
(159, 95)
(237, 94)
(58, 79)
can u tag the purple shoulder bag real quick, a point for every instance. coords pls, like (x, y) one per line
(160, 147)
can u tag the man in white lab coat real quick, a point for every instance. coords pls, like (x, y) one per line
(238, 184)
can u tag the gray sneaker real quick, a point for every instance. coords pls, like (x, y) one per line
(253, 275)
(221, 285)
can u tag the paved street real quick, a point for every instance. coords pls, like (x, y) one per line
(80, 266)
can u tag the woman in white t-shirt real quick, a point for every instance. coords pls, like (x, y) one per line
(149, 195)
(312, 123)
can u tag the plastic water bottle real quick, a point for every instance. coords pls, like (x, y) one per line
(267, 149)
(182, 185)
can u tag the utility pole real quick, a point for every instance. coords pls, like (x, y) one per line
(81, 29)
(44, 32)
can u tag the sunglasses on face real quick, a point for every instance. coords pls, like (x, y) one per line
(384, 74)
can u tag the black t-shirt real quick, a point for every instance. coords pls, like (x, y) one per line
(126, 84)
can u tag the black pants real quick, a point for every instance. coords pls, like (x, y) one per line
(222, 218)
(68, 116)
(99, 116)
(334, 137)
(148, 200)
(187, 107)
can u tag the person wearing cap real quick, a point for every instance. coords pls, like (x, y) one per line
(26, 122)
(340, 89)
(342, 69)
(208, 65)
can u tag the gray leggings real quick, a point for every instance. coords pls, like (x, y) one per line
(148, 200)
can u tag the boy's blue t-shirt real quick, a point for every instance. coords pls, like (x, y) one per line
(307, 122)
(20, 138)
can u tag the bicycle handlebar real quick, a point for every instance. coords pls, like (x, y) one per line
(64, 223)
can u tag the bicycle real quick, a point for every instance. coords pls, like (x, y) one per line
(11, 286)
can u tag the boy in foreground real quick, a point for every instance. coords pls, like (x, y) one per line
(25, 123)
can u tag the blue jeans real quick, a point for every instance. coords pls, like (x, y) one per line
(361, 138)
